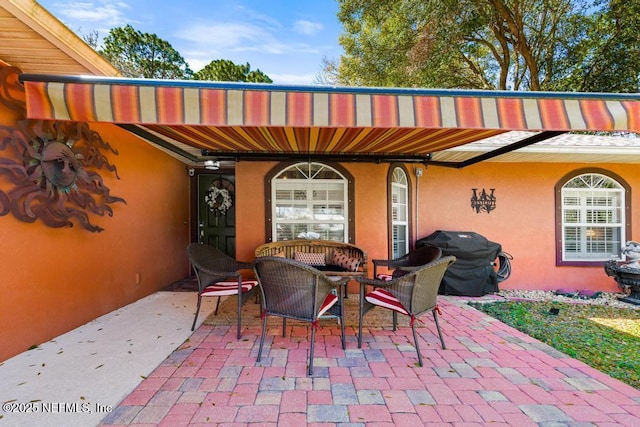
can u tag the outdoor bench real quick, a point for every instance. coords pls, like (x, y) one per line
(331, 257)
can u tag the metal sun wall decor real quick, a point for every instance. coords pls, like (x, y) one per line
(483, 201)
(53, 167)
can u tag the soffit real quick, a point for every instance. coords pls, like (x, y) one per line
(566, 148)
(35, 41)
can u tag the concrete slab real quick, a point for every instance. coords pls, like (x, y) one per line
(77, 378)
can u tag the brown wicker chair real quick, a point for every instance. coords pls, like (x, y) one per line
(413, 294)
(297, 291)
(418, 257)
(219, 275)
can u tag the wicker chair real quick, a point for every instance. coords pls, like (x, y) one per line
(218, 275)
(298, 291)
(413, 294)
(416, 258)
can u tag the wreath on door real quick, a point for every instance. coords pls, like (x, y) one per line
(219, 196)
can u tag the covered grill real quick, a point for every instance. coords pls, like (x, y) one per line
(473, 273)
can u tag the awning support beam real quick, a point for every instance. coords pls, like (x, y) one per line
(499, 151)
(338, 157)
(137, 130)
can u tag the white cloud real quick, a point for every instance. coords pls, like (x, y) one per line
(215, 40)
(293, 79)
(105, 12)
(307, 27)
(227, 36)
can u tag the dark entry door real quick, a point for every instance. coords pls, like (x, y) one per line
(217, 212)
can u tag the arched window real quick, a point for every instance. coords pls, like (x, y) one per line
(399, 201)
(309, 201)
(593, 225)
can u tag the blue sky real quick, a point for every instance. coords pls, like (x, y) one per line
(285, 39)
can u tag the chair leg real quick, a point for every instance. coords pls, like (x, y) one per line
(215, 313)
(341, 302)
(415, 340)
(197, 311)
(395, 320)
(313, 338)
(239, 314)
(284, 327)
(361, 315)
(435, 317)
(264, 332)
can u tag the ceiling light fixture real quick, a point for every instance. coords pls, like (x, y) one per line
(213, 165)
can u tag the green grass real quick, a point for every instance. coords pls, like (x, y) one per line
(604, 337)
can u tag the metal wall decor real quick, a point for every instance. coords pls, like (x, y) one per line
(483, 201)
(52, 168)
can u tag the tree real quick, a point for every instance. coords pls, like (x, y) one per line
(226, 71)
(143, 55)
(92, 39)
(491, 44)
(329, 74)
(607, 58)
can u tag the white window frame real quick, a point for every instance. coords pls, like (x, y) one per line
(399, 212)
(593, 218)
(305, 205)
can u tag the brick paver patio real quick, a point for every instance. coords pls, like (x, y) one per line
(490, 373)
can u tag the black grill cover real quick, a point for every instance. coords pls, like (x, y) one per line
(472, 274)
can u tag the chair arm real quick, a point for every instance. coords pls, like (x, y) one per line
(397, 283)
(244, 265)
(409, 268)
(376, 283)
(389, 263)
(381, 262)
(342, 281)
(223, 274)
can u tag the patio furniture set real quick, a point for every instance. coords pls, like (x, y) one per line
(306, 281)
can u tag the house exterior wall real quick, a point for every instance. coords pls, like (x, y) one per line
(55, 279)
(370, 207)
(523, 221)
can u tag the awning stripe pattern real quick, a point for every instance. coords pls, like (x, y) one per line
(246, 119)
(175, 105)
(320, 140)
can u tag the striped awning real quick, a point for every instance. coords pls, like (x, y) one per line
(271, 119)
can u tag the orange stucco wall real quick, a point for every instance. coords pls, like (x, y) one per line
(523, 222)
(53, 280)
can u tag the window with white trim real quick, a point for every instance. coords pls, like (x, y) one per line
(593, 218)
(399, 213)
(309, 201)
